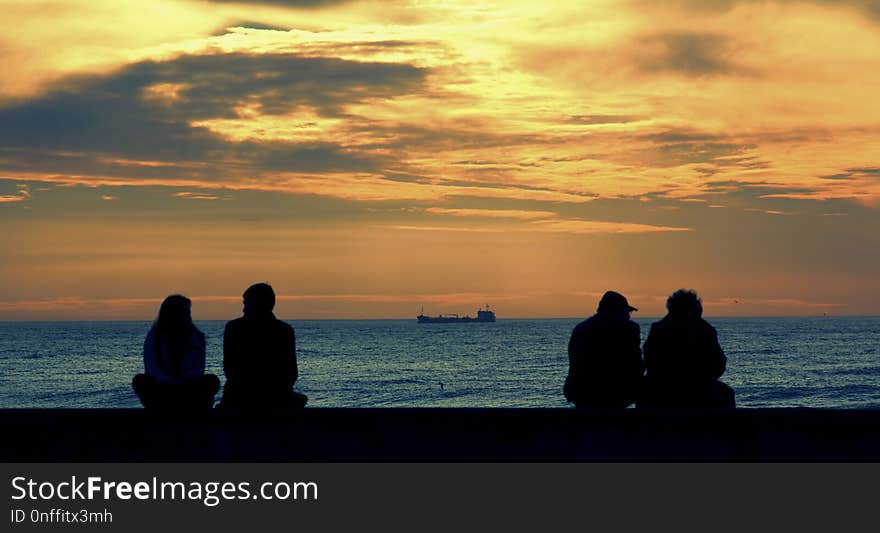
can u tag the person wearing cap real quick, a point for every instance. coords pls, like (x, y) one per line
(684, 359)
(605, 360)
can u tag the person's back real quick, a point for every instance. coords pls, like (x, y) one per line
(605, 364)
(259, 356)
(684, 350)
(684, 359)
(259, 360)
(174, 361)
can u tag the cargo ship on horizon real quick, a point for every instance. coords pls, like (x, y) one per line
(483, 315)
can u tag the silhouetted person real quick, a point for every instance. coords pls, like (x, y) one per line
(259, 356)
(174, 361)
(605, 361)
(684, 359)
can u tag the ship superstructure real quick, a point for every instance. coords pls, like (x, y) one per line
(483, 315)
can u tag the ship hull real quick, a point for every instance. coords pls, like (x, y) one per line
(451, 320)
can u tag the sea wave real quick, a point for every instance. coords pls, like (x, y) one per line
(398, 363)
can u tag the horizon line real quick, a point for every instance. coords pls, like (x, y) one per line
(349, 319)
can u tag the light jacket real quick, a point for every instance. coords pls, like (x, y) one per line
(157, 358)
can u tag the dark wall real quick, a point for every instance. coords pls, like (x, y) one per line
(485, 435)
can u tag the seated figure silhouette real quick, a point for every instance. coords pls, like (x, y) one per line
(605, 361)
(684, 359)
(259, 356)
(174, 362)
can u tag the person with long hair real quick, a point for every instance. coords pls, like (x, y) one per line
(174, 361)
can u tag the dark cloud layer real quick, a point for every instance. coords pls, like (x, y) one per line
(688, 146)
(113, 116)
(868, 7)
(589, 120)
(855, 173)
(689, 54)
(873, 171)
(682, 135)
(300, 4)
(749, 191)
(251, 25)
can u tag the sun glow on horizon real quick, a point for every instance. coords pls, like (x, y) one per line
(368, 155)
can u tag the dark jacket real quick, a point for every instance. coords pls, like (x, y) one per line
(259, 360)
(605, 362)
(683, 360)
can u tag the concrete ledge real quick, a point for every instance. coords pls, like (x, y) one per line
(440, 435)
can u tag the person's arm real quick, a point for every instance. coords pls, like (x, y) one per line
(649, 352)
(152, 358)
(230, 368)
(634, 351)
(294, 368)
(569, 388)
(716, 356)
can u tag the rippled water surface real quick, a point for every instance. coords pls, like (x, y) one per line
(772, 362)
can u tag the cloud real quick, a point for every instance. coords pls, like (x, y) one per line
(195, 196)
(865, 171)
(855, 183)
(109, 306)
(23, 194)
(249, 25)
(868, 7)
(596, 226)
(843, 176)
(296, 4)
(687, 146)
(591, 120)
(306, 112)
(9, 198)
(491, 213)
(75, 303)
(455, 229)
(687, 53)
(642, 56)
(551, 225)
(145, 111)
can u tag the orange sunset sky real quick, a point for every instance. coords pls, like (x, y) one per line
(371, 158)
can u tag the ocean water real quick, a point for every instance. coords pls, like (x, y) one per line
(772, 362)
